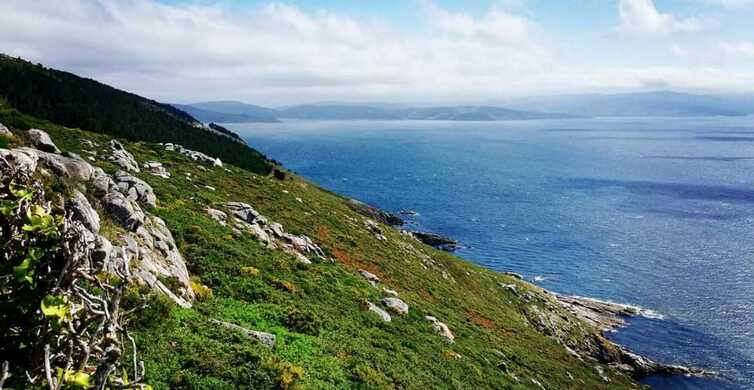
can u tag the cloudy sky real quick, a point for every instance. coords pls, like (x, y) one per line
(286, 52)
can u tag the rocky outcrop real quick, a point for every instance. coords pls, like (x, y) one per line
(147, 250)
(194, 155)
(396, 305)
(135, 188)
(441, 329)
(247, 220)
(5, 132)
(157, 169)
(121, 157)
(547, 317)
(42, 141)
(374, 228)
(375, 213)
(437, 241)
(267, 339)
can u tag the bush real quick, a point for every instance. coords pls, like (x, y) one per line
(303, 321)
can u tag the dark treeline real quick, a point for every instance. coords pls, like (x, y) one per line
(73, 101)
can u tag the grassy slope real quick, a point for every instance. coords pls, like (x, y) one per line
(326, 337)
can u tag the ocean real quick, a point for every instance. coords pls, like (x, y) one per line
(654, 212)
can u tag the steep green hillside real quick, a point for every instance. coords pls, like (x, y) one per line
(73, 101)
(506, 332)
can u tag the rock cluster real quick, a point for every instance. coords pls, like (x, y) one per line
(194, 155)
(245, 219)
(135, 188)
(147, 250)
(121, 157)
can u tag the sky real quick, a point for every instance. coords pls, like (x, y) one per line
(419, 51)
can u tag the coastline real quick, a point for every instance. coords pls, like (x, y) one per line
(603, 315)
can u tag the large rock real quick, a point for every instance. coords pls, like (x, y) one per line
(385, 316)
(82, 211)
(42, 141)
(370, 277)
(102, 182)
(159, 255)
(124, 210)
(24, 160)
(135, 188)
(218, 216)
(441, 329)
(71, 167)
(396, 305)
(121, 157)
(267, 339)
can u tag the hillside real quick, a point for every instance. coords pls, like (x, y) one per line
(218, 277)
(73, 101)
(325, 334)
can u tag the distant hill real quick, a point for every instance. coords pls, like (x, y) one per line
(237, 111)
(74, 101)
(208, 116)
(661, 103)
(449, 113)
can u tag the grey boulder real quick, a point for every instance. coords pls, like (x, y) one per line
(42, 141)
(82, 211)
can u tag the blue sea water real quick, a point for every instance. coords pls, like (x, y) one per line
(654, 212)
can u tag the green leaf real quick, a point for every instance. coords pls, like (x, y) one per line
(56, 308)
(76, 380)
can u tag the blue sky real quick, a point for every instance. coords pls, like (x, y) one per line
(281, 52)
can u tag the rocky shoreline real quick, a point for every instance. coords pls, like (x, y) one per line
(609, 316)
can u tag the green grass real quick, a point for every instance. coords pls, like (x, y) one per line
(325, 336)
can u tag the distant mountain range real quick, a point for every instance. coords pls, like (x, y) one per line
(651, 104)
(230, 111)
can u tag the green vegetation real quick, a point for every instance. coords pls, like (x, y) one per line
(69, 100)
(326, 337)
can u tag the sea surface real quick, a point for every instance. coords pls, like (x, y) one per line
(657, 213)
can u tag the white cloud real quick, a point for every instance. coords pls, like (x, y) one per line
(497, 25)
(641, 17)
(278, 54)
(739, 49)
(733, 4)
